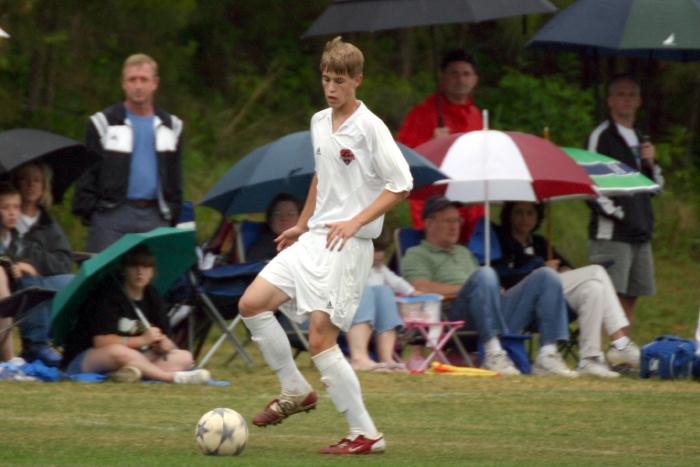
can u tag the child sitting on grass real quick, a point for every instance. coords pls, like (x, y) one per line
(110, 336)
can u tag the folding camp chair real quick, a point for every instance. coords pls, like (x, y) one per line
(247, 232)
(224, 285)
(406, 237)
(206, 298)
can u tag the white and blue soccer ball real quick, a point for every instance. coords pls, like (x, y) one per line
(222, 432)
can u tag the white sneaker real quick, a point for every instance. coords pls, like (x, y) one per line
(552, 364)
(499, 361)
(192, 377)
(629, 356)
(595, 366)
(125, 374)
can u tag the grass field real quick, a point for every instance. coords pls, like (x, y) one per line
(428, 419)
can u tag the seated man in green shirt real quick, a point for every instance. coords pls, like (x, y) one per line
(440, 265)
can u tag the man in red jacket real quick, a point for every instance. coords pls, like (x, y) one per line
(449, 110)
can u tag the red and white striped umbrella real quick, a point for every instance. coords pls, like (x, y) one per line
(490, 165)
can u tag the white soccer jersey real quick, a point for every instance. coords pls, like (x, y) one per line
(354, 165)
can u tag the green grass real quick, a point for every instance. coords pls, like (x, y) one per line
(428, 420)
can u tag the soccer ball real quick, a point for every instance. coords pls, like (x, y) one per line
(222, 432)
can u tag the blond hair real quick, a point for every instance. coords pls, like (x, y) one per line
(140, 59)
(46, 200)
(342, 58)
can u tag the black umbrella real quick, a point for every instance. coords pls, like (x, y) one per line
(652, 29)
(67, 158)
(376, 15)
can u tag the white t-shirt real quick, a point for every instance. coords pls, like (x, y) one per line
(354, 166)
(630, 137)
(25, 223)
(382, 275)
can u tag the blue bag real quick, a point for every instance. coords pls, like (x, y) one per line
(668, 357)
(514, 345)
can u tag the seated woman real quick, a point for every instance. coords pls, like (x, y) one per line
(44, 258)
(588, 290)
(109, 336)
(282, 213)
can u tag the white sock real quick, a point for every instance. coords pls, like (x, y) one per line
(343, 387)
(272, 341)
(492, 345)
(547, 349)
(621, 342)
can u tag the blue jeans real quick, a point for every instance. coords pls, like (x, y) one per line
(35, 329)
(378, 308)
(537, 299)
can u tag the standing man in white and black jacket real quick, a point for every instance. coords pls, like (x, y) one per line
(137, 186)
(621, 228)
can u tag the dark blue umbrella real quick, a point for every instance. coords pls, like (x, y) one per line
(287, 165)
(376, 15)
(652, 29)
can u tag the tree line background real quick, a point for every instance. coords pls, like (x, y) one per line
(240, 76)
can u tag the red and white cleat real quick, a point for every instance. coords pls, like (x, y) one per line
(284, 406)
(357, 444)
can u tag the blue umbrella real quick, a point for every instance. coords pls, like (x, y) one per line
(287, 165)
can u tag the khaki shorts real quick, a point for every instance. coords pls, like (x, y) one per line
(317, 279)
(632, 269)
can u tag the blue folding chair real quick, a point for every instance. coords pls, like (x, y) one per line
(246, 234)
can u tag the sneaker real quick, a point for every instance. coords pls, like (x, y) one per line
(629, 356)
(125, 374)
(357, 444)
(192, 377)
(46, 354)
(595, 366)
(284, 406)
(552, 364)
(499, 361)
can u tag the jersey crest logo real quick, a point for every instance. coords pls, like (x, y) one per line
(347, 156)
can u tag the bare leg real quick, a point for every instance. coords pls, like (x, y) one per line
(386, 344)
(113, 357)
(176, 360)
(6, 350)
(322, 333)
(628, 305)
(358, 343)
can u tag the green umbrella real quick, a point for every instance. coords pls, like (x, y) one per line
(612, 177)
(173, 248)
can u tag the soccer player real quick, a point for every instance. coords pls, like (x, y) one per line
(325, 259)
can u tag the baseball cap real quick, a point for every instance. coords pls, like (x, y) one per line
(435, 204)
